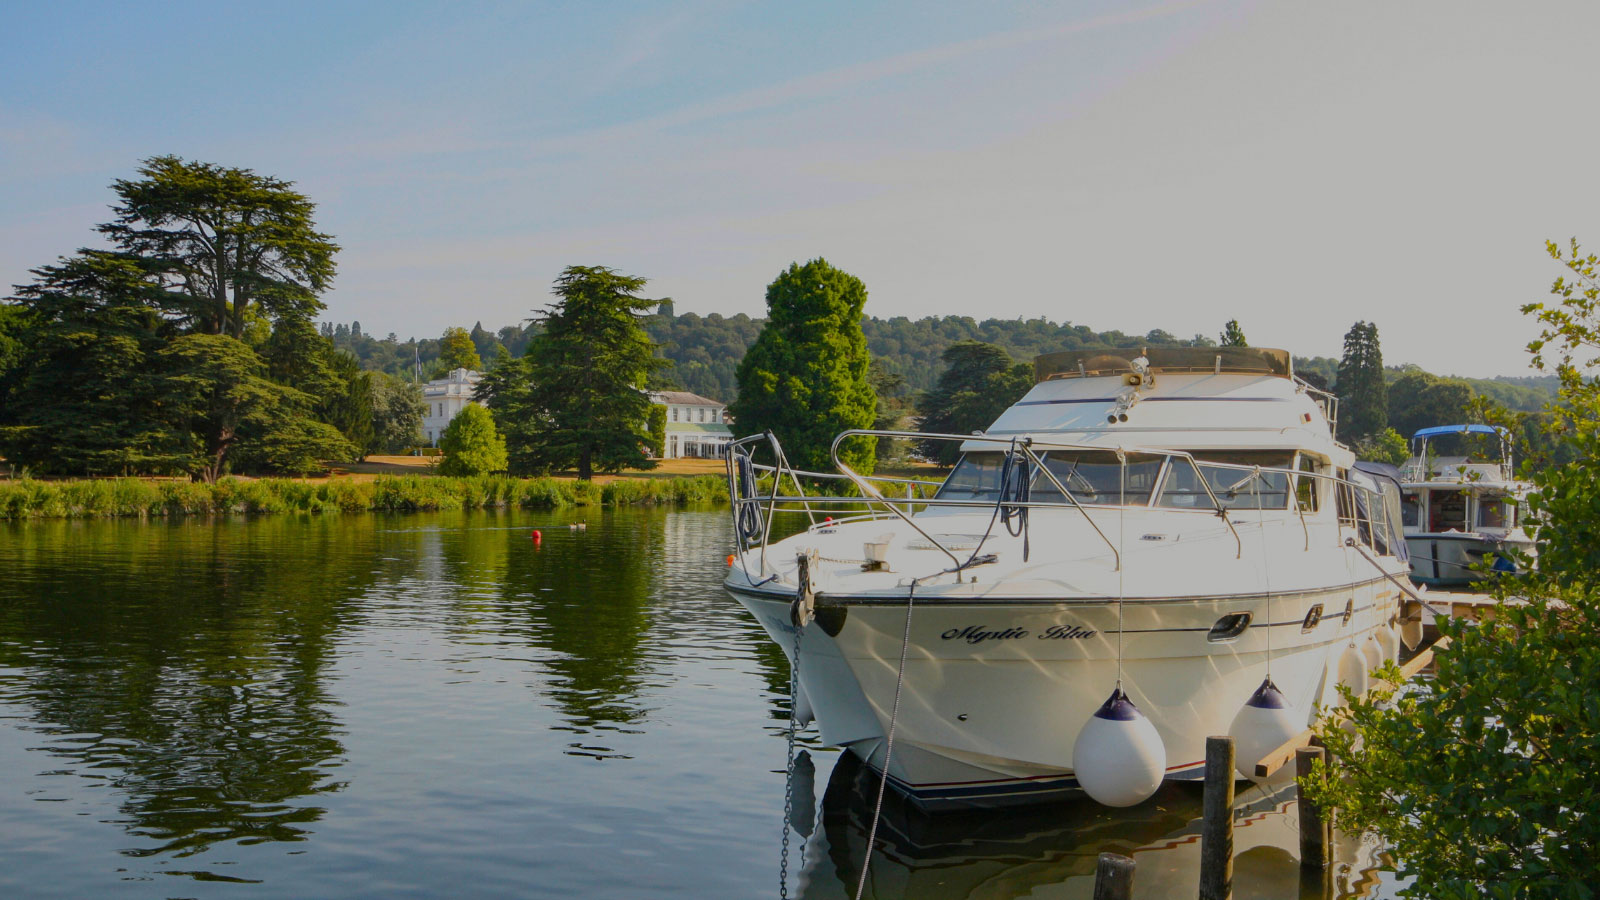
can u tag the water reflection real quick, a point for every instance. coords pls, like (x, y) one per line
(1049, 851)
(432, 705)
(184, 666)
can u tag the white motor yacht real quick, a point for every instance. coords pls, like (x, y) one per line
(1460, 513)
(1145, 550)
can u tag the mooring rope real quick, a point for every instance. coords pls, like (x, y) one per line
(888, 748)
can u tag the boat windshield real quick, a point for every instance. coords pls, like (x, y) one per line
(1234, 488)
(976, 477)
(1095, 477)
(1092, 476)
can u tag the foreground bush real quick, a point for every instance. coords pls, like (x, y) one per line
(29, 499)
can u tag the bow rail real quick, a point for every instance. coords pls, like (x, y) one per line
(754, 509)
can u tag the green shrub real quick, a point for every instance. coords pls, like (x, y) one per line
(471, 445)
(180, 498)
(26, 498)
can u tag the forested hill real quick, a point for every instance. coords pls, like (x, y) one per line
(706, 349)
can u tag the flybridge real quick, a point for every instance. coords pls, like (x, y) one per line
(1086, 363)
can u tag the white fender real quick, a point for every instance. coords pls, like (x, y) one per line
(1265, 723)
(1353, 670)
(1372, 652)
(1388, 639)
(1119, 758)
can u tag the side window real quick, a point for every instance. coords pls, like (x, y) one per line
(1491, 512)
(1306, 488)
(1410, 509)
(1231, 476)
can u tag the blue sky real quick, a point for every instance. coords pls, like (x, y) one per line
(1120, 165)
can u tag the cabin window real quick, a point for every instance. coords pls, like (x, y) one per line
(1447, 511)
(1232, 478)
(1410, 509)
(1492, 512)
(1306, 486)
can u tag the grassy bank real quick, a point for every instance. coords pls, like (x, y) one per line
(29, 499)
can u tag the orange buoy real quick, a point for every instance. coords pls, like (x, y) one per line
(730, 559)
(537, 537)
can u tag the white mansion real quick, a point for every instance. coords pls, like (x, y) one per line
(695, 426)
(444, 397)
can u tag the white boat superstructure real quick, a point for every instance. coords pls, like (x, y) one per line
(1178, 526)
(1460, 513)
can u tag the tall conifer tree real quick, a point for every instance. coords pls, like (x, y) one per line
(1364, 399)
(806, 376)
(580, 397)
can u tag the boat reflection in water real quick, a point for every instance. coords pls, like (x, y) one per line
(1049, 851)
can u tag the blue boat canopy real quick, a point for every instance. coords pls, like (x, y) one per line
(1459, 429)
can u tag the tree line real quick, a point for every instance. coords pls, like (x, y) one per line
(191, 346)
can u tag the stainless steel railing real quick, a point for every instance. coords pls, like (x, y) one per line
(755, 510)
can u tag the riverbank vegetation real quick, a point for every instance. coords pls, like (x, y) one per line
(1483, 781)
(28, 498)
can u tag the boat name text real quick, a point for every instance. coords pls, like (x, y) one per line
(977, 634)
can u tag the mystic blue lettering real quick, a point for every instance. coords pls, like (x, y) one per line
(1066, 633)
(977, 634)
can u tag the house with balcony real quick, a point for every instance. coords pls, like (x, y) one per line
(697, 426)
(444, 398)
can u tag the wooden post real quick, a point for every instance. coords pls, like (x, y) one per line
(1315, 831)
(1216, 831)
(1113, 877)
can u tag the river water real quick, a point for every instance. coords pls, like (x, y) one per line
(435, 705)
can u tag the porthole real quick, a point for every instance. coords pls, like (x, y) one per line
(1313, 618)
(1228, 627)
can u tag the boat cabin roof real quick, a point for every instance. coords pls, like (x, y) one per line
(1181, 411)
(1437, 430)
(1216, 360)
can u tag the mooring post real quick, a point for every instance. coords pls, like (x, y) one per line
(1113, 877)
(1216, 831)
(1316, 833)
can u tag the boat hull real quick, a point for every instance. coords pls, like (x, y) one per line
(993, 693)
(1447, 560)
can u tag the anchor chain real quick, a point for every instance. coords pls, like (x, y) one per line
(788, 778)
(801, 611)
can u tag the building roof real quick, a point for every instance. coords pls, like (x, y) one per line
(683, 398)
(458, 376)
